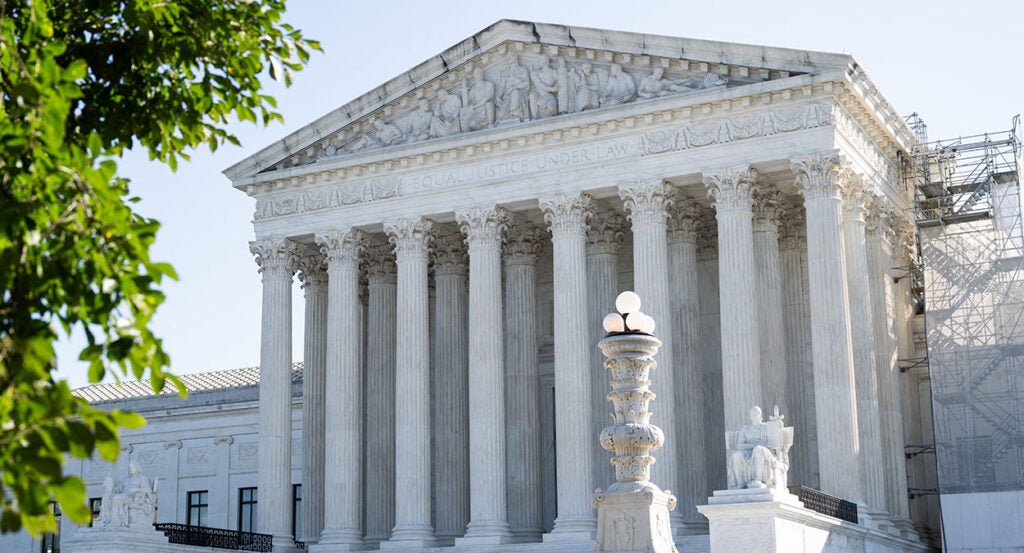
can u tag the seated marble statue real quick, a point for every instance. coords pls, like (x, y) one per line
(133, 506)
(758, 454)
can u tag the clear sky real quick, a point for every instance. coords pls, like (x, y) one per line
(955, 63)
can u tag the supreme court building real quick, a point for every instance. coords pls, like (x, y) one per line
(461, 230)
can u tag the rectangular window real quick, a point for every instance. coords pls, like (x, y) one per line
(51, 540)
(198, 505)
(247, 509)
(95, 504)
(296, 510)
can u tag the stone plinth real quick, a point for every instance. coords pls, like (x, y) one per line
(774, 521)
(120, 540)
(634, 518)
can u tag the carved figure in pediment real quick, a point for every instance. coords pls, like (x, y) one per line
(619, 88)
(477, 103)
(712, 80)
(446, 116)
(515, 89)
(588, 88)
(544, 96)
(656, 85)
(758, 453)
(386, 135)
(420, 121)
(327, 149)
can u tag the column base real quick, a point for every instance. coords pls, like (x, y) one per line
(486, 532)
(341, 536)
(572, 529)
(323, 547)
(527, 535)
(410, 537)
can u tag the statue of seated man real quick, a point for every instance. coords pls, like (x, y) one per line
(758, 454)
(133, 507)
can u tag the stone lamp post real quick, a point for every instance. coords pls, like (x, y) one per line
(632, 513)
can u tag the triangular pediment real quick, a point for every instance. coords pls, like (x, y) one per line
(517, 73)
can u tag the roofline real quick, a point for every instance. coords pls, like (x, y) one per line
(707, 51)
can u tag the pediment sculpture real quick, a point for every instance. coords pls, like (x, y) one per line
(758, 453)
(526, 87)
(130, 503)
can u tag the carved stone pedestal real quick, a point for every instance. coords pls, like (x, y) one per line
(774, 521)
(118, 540)
(634, 517)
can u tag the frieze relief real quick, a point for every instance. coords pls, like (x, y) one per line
(519, 83)
(774, 121)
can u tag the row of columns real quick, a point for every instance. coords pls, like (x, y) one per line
(493, 374)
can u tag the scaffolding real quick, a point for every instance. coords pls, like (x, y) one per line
(968, 212)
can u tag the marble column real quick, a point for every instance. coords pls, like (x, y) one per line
(862, 334)
(313, 275)
(690, 406)
(567, 215)
(647, 204)
(603, 240)
(343, 438)
(381, 289)
(488, 518)
(451, 386)
(277, 261)
(411, 238)
(768, 282)
(523, 244)
(817, 177)
(710, 351)
(732, 190)
(883, 313)
(803, 466)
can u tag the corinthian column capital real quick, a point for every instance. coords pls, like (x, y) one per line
(567, 214)
(819, 175)
(410, 236)
(483, 226)
(277, 258)
(767, 209)
(607, 228)
(685, 220)
(646, 201)
(523, 244)
(880, 215)
(731, 188)
(707, 235)
(449, 255)
(855, 195)
(341, 248)
(379, 264)
(312, 269)
(792, 228)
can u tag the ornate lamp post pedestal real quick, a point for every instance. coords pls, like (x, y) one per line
(632, 513)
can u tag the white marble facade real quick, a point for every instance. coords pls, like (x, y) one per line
(460, 232)
(514, 184)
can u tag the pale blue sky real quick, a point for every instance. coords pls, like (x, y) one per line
(955, 63)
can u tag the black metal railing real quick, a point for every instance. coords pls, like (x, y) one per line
(220, 538)
(821, 502)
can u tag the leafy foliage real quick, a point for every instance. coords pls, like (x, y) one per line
(81, 82)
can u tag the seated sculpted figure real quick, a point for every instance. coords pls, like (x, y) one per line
(758, 454)
(477, 103)
(133, 507)
(619, 88)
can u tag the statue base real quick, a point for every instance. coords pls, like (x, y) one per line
(117, 540)
(774, 521)
(633, 517)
